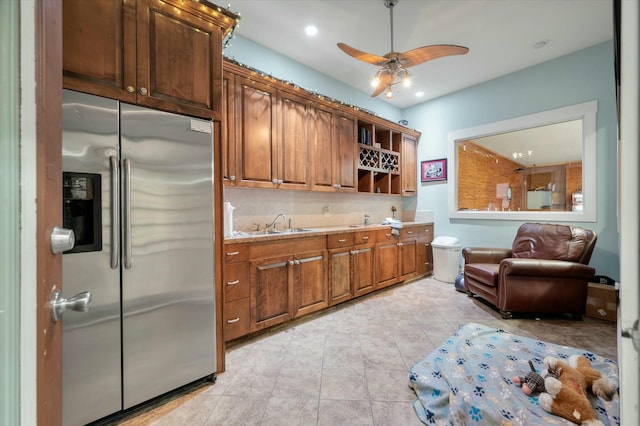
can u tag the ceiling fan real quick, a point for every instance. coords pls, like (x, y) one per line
(394, 64)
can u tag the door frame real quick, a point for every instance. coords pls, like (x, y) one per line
(46, 126)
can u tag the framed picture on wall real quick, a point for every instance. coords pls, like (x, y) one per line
(434, 170)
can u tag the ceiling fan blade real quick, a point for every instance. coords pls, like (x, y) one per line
(363, 56)
(379, 89)
(428, 53)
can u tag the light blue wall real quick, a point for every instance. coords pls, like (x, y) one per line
(282, 67)
(583, 76)
(579, 77)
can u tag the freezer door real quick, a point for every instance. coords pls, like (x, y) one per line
(168, 260)
(91, 369)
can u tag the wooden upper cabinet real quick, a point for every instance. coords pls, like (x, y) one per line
(164, 54)
(99, 47)
(228, 130)
(293, 142)
(408, 168)
(322, 146)
(256, 146)
(345, 152)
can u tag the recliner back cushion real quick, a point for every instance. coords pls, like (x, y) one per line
(546, 241)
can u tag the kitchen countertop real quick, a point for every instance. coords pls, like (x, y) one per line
(248, 237)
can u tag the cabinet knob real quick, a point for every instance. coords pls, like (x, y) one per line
(232, 178)
(130, 89)
(291, 262)
(143, 90)
(274, 181)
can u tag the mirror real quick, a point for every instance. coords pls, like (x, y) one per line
(536, 167)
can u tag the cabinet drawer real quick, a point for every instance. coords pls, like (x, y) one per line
(236, 281)
(235, 253)
(340, 240)
(384, 235)
(425, 232)
(410, 231)
(236, 319)
(364, 237)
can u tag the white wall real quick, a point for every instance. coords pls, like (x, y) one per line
(579, 77)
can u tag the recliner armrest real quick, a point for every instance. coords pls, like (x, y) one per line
(484, 254)
(545, 268)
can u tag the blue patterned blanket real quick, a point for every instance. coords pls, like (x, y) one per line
(467, 380)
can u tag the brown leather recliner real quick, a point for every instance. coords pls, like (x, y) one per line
(545, 271)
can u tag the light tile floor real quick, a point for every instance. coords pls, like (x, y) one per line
(349, 365)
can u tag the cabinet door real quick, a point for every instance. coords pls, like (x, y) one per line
(271, 291)
(293, 142)
(408, 167)
(99, 47)
(386, 263)
(407, 258)
(179, 60)
(322, 147)
(345, 153)
(363, 277)
(255, 134)
(228, 130)
(424, 258)
(310, 271)
(339, 276)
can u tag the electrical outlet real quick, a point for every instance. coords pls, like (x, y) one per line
(326, 210)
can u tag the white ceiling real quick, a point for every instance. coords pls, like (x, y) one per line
(500, 35)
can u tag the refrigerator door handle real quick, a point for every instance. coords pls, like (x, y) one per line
(127, 213)
(115, 212)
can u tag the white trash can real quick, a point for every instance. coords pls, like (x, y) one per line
(445, 258)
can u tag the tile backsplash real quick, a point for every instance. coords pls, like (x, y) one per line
(257, 207)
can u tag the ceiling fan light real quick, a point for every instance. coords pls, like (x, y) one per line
(375, 81)
(388, 93)
(406, 82)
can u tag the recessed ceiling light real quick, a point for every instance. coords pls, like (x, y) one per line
(541, 44)
(311, 30)
(420, 94)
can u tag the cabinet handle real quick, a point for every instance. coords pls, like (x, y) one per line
(143, 91)
(336, 186)
(353, 252)
(342, 240)
(409, 232)
(231, 321)
(130, 89)
(233, 282)
(233, 253)
(400, 244)
(365, 238)
(387, 235)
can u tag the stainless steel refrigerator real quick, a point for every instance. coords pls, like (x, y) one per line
(138, 193)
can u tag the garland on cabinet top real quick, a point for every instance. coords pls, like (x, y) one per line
(294, 86)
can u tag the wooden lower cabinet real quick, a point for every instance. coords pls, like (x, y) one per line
(271, 291)
(310, 282)
(363, 270)
(340, 282)
(407, 261)
(270, 282)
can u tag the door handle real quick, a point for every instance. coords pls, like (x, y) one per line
(115, 212)
(634, 334)
(62, 239)
(127, 213)
(81, 302)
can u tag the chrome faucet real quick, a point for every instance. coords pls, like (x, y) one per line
(273, 224)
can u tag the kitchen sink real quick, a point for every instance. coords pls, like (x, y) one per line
(271, 232)
(288, 230)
